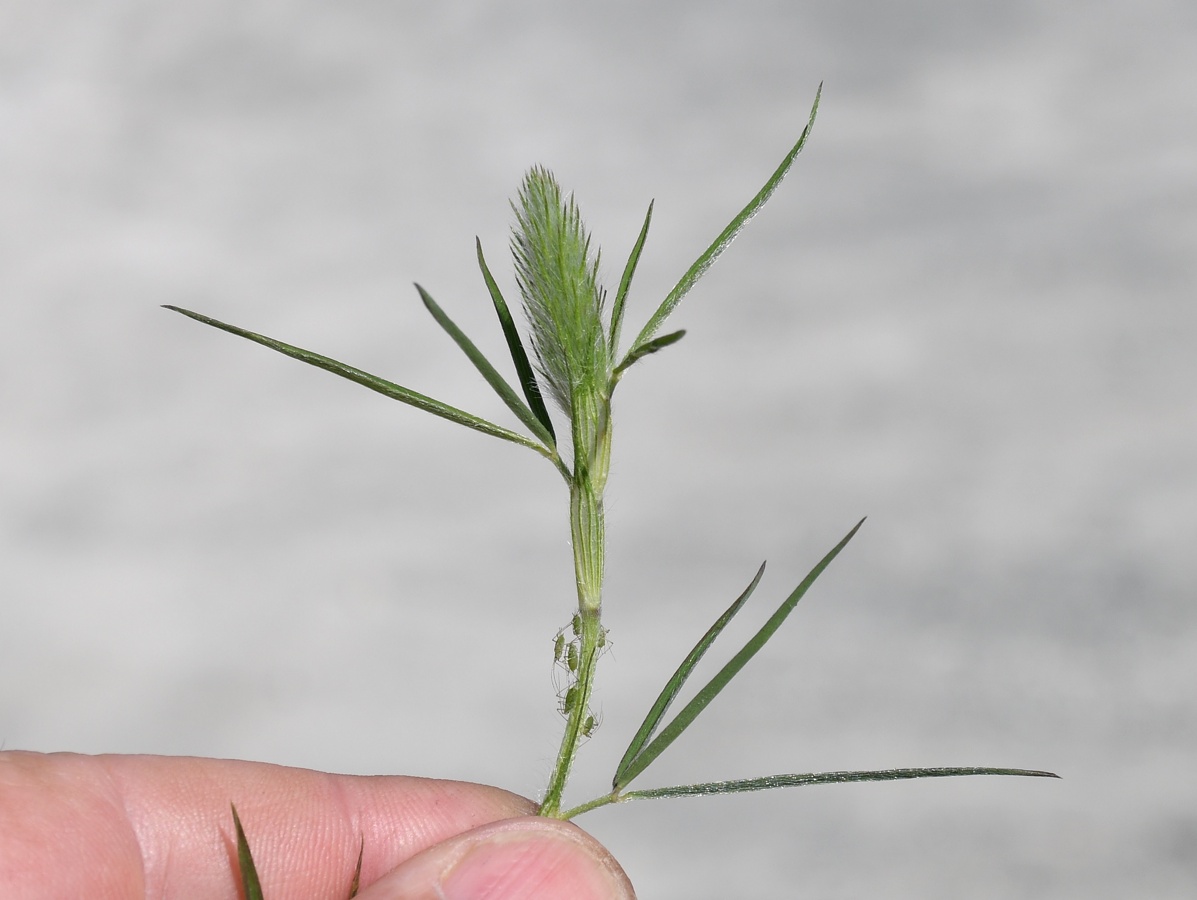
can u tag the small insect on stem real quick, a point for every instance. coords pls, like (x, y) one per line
(588, 726)
(576, 625)
(558, 647)
(571, 658)
(570, 701)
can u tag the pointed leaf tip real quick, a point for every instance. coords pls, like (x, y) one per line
(625, 282)
(380, 385)
(702, 699)
(648, 728)
(245, 861)
(515, 346)
(356, 883)
(707, 258)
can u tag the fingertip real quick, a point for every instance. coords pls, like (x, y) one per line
(518, 859)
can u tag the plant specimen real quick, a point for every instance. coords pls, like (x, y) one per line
(577, 364)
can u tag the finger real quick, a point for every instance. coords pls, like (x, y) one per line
(517, 859)
(125, 827)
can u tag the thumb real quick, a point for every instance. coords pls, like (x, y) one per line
(516, 859)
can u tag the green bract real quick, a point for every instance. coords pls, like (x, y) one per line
(577, 355)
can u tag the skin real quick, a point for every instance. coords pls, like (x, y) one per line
(159, 828)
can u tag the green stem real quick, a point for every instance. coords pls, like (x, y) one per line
(592, 450)
(596, 803)
(576, 715)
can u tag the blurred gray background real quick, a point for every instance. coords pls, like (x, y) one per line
(969, 314)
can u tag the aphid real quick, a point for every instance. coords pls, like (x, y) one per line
(571, 658)
(576, 624)
(558, 647)
(570, 701)
(588, 726)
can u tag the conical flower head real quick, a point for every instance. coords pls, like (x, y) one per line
(558, 278)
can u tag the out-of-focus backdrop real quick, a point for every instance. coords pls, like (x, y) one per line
(968, 313)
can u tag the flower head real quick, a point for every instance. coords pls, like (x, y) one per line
(558, 277)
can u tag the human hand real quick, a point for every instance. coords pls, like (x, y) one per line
(159, 828)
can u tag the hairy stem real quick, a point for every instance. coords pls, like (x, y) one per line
(577, 713)
(592, 450)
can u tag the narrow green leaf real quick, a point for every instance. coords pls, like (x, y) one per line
(519, 356)
(649, 726)
(357, 872)
(779, 781)
(386, 388)
(625, 282)
(645, 349)
(713, 252)
(691, 710)
(245, 860)
(506, 393)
